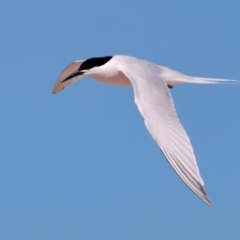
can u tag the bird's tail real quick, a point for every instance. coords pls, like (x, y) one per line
(189, 79)
(174, 77)
(199, 80)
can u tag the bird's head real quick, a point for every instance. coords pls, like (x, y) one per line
(90, 66)
(78, 69)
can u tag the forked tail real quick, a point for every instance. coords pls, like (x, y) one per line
(175, 77)
(209, 80)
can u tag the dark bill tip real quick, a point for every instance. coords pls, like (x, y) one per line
(74, 74)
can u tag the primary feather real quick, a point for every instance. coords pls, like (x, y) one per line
(154, 102)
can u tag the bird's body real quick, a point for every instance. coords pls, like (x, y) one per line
(151, 85)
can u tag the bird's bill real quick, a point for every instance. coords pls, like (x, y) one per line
(74, 74)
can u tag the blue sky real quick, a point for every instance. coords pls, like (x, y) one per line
(80, 164)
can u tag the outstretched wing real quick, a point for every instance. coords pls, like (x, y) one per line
(72, 67)
(155, 103)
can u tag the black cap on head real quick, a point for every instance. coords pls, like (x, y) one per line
(88, 64)
(94, 62)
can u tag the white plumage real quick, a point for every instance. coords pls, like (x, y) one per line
(151, 84)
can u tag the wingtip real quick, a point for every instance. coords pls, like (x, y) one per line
(209, 202)
(204, 196)
(54, 91)
(60, 84)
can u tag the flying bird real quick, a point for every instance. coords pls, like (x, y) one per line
(151, 85)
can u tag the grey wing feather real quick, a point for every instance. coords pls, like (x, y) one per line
(59, 85)
(156, 106)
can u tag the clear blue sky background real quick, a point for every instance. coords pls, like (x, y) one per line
(80, 164)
